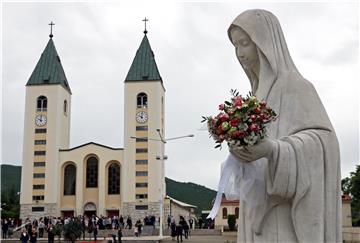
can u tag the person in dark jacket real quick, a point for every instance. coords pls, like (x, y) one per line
(179, 232)
(129, 222)
(5, 228)
(173, 230)
(121, 221)
(95, 233)
(120, 234)
(51, 234)
(24, 237)
(169, 221)
(34, 235)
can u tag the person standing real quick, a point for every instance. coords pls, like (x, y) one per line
(173, 229)
(191, 221)
(129, 222)
(51, 234)
(200, 222)
(179, 232)
(138, 225)
(5, 228)
(24, 237)
(34, 235)
(119, 234)
(95, 232)
(121, 221)
(169, 221)
(41, 229)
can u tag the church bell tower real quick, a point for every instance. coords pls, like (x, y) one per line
(46, 130)
(144, 122)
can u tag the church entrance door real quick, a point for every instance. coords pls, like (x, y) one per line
(67, 214)
(112, 213)
(90, 209)
(89, 214)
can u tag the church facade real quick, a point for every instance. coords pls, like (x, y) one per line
(92, 178)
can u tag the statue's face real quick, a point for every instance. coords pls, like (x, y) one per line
(245, 48)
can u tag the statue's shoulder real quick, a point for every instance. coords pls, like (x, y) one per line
(296, 84)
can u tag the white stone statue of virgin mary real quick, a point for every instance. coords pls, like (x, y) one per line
(300, 156)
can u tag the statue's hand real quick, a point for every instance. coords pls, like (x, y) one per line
(264, 148)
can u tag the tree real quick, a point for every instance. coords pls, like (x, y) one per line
(351, 185)
(73, 230)
(10, 206)
(58, 228)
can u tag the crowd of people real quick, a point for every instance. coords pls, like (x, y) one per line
(33, 229)
(181, 229)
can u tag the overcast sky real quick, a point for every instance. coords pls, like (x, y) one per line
(98, 41)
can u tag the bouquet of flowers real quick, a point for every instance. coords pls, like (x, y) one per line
(241, 122)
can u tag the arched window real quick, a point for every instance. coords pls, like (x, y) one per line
(65, 106)
(142, 100)
(41, 103)
(114, 179)
(224, 211)
(92, 172)
(237, 212)
(69, 180)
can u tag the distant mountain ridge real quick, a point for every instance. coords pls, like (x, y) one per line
(187, 192)
(10, 177)
(191, 193)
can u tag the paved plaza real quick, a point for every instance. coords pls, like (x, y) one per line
(207, 239)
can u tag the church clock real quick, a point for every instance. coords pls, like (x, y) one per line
(40, 120)
(141, 117)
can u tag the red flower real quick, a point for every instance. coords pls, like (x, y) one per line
(253, 117)
(240, 134)
(234, 122)
(238, 101)
(263, 103)
(224, 117)
(257, 110)
(221, 107)
(254, 127)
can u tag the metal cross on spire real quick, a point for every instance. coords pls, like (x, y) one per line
(51, 25)
(145, 20)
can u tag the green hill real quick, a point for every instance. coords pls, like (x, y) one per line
(10, 177)
(10, 186)
(191, 193)
(187, 192)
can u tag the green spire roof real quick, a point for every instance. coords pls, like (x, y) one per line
(49, 70)
(143, 66)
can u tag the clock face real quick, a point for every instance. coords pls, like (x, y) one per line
(141, 117)
(40, 120)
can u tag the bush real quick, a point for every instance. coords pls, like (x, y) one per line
(231, 221)
(58, 228)
(73, 230)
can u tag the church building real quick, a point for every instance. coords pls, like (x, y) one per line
(59, 180)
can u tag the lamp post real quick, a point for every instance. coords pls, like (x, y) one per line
(162, 158)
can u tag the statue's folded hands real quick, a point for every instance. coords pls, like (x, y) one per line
(264, 149)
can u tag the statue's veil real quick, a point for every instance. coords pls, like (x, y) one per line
(275, 61)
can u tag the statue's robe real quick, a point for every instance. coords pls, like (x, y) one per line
(303, 200)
